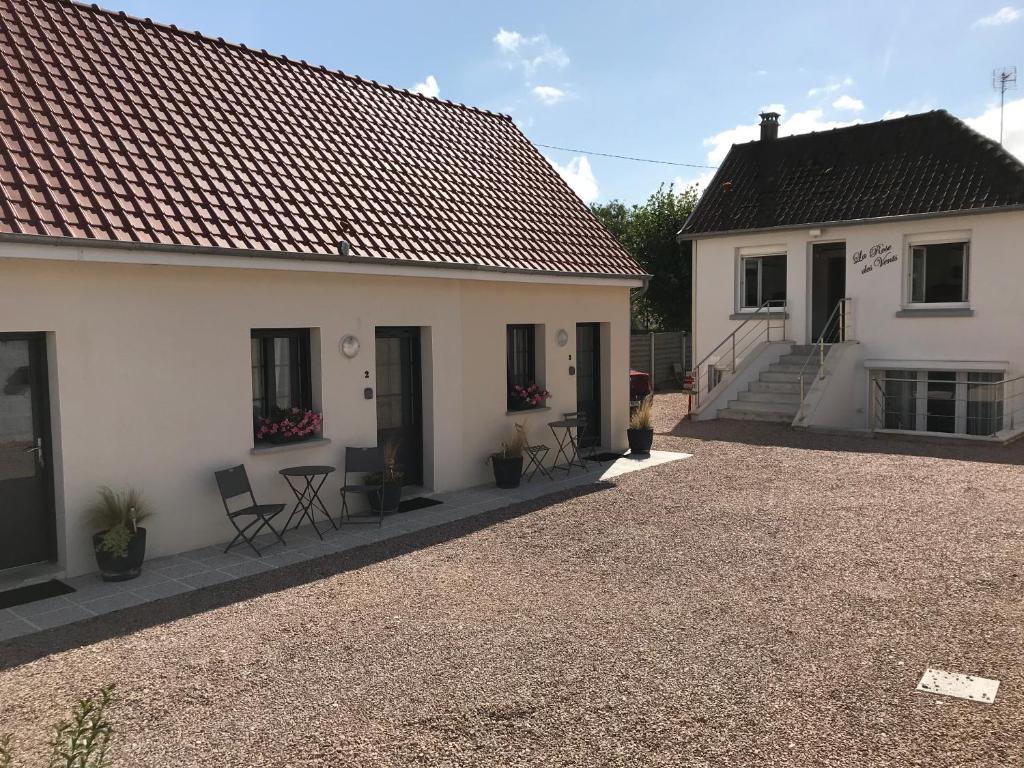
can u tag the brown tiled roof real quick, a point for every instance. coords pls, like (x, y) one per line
(119, 129)
(929, 163)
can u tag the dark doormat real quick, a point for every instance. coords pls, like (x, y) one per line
(603, 457)
(33, 592)
(416, 502)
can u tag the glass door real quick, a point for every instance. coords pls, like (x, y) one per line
(27, 529)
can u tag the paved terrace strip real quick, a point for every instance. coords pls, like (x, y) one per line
(167, 576)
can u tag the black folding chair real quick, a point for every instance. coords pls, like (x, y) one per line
(535, 455)
(362, 461)
(233, 483)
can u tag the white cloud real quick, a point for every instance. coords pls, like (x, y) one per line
(529, 53)
(892, 114)
(1005, 15)
(987, 123)
(830, 88)
(428, 87)
(548, 94)
(577, 174)
(848, 103)
(508, 41)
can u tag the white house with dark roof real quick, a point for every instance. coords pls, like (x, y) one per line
(864, 278)
(194, 234)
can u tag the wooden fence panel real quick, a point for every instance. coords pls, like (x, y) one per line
(655, 353)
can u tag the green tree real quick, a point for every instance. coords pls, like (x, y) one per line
(648, 232)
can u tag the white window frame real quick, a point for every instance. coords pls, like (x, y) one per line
(935, 238)
(921, 396)
(758, 252)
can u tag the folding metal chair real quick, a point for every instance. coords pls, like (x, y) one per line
(361, 461)
(234, 482)
(535, 455)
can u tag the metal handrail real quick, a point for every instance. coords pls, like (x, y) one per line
(838, 314)
(1009, 416)
(761, 315)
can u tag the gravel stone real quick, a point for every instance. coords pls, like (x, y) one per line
(771, 601)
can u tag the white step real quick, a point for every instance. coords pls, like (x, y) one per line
(770, 397)
(787, 387)
(801, 360)
(807, 349)
(743, 415)
(787, 377)
(764, 407)
(794, 369)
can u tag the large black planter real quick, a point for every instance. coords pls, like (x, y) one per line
(640, 440)
(121, 567)
(388, 500)
(508, 470)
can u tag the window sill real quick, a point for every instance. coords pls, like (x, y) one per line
(935, 312)
(771, 315)
(262, 448)
(538, 409)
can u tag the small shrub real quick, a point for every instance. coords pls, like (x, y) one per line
(118, 513)
(513, 447)
(641, 418)
(393, 474)
(80, 742)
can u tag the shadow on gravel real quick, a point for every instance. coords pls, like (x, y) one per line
(21, 650)
(783, 436)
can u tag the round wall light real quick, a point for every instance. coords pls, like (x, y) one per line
(562, 337)
(349, 346)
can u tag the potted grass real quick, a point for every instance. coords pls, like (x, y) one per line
(119, 541)
(508, 462)
(387, 493)
(640, 433)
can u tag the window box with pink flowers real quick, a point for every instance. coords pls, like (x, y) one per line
(290, 425)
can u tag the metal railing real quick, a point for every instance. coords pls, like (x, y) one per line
(836, 330)
(707, 374)
(947, 405)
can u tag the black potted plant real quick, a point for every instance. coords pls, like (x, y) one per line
(387, 493)
(508, 462)
(119, 541)
(640, 433)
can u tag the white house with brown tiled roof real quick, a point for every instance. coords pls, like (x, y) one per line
(863, 278)
(194, 235)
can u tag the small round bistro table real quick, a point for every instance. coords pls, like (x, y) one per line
(306, 482)
(568, 447)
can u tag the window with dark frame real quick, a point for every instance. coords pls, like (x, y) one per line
(762, 278)
(938, 273)
(280, 371)
(522, 357)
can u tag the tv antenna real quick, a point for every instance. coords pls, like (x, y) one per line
(1003, 80)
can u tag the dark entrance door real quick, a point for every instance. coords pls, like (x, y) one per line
(27, 529)
(400, 399)
(588, 381)
(828, 287)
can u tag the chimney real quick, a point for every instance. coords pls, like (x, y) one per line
(769, 126)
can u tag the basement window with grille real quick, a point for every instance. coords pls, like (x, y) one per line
(949, 402)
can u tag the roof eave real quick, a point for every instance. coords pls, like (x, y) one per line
(337, 258)
(683, 235)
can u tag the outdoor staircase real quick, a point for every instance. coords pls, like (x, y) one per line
(775, 396)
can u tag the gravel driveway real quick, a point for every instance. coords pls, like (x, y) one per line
(771, 601)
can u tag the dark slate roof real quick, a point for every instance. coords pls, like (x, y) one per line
(920, 164)
(117, 129)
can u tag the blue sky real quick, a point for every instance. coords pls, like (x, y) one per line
(675, 81)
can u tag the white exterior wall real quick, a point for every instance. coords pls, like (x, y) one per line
(996, 278)
(151, 384)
